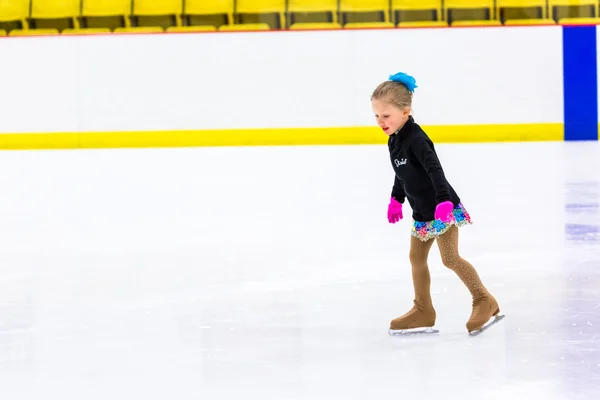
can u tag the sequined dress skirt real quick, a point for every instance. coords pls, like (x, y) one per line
(431, 229)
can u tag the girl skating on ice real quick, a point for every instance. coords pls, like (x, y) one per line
(437, 210)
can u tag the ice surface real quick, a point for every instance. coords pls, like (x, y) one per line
(272, 273)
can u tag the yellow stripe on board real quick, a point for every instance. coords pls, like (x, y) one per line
(495, 133)
(275, 137)
(11, 141)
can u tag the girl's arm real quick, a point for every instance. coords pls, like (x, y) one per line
(423, 150)
(398, 191)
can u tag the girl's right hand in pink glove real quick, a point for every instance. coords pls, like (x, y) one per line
(394, 211)
(443, 211)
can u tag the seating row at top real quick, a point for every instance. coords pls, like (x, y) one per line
(22, 15)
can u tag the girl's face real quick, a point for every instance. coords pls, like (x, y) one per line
(389, 117)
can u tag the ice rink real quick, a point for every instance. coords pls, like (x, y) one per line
(272, 273)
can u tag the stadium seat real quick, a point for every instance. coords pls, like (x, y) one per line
(312, 11)
(44, 13)
(245, 27)
(33, 32)
(15, 11)
(315, 25)
(473, 22)
(202, 12)
(469, 10)
(516, 9)
(352, 10)
(417, 10)
(86, 31)
(102, 10)
(140, 29)
(369, 25)
(423, 24)
(195, 28)
(536, 21)
(560, 9)
(2, 32)
(261, 11)
(154, 13)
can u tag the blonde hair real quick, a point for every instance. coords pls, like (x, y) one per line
(394, 92)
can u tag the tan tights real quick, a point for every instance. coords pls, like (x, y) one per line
(448, 246)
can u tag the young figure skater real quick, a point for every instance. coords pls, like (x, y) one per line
(437, 210)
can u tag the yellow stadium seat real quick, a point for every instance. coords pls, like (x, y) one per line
(473, 22)
(2, 32)
(195, 28)
(328, 8)
(315, 25)
(369, 25)
(579, 21)
(153, 9)
(245, 27)
(469, 9)
(526, 9)
(433, 7)
(157, 7)
(56, 9)
(33, 32)
(222, 8)
(560, 9)
(423, 24)
(257, 11)
(380, 7)
(86, 31)
(537, 21)
(15, 10)
(107, 8)
(140, 29)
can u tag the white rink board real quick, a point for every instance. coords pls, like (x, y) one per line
(277, 79)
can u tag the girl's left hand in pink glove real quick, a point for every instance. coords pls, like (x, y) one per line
(443, 211)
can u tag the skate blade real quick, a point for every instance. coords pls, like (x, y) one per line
(494, 320)
(413, 331)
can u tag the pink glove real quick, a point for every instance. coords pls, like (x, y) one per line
(443, 211)
(394, 211)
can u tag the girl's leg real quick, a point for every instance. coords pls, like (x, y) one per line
(419, 252)
(448, 245)
(422, 315)
(484, 304)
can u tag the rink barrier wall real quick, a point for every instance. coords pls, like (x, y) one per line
(275, 137)
(577, 95)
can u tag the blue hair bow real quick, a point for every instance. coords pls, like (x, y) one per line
(405, 79)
